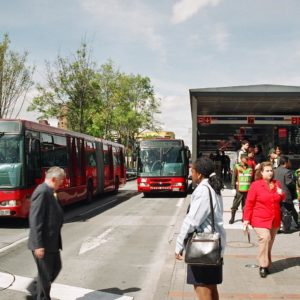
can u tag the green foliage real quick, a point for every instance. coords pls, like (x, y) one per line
(102, 102)
(72, 89)
(15, 80)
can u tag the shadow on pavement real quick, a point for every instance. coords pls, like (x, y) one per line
(283, 264)
(164, 195)
(14, 223)
(108, 294)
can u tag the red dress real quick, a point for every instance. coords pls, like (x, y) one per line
(262, 208)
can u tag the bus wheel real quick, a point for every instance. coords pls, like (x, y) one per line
(117, 185)
(89, 193)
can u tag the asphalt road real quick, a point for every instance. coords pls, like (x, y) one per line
(113, 248)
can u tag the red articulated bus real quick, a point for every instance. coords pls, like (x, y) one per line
(28, 149)
(162, 166)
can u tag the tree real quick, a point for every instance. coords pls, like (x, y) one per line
(72, 87)
(106, 102)
(15, 80)
(137, 108)
(102, 102)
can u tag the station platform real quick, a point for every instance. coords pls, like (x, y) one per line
(241, 278)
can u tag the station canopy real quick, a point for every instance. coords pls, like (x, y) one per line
(247, 100)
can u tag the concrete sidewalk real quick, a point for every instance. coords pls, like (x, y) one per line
(241, 277)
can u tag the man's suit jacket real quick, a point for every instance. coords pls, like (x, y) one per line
(287, 182)
(45, 220)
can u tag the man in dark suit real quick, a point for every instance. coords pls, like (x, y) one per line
(45, 222)
(288, 184)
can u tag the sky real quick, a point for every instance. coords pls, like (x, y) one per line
(178, 44)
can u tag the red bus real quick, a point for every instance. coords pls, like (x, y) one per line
(28, 149)
(162, 165)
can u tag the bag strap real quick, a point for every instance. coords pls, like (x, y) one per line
(211, 210)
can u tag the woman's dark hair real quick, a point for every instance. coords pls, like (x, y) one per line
(205, 166)
(259, 147)
(283, 160)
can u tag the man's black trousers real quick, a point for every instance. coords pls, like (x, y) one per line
(48, 269)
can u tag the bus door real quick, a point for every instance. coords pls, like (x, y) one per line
(81, 169)
(100, 158)
(72, 166)
(122, 165)
(111, 166)
(106, 156)
(33, 159)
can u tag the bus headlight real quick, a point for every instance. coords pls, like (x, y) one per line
(143, 179)
(178, 184)
(10, 203)
(143, 184)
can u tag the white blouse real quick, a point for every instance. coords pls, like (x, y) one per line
(199, 215)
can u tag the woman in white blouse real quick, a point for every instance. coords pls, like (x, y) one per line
(204, 279)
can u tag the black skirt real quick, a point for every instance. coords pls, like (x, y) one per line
(199, 275)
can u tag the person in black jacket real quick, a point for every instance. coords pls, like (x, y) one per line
(288, 184)
(258, 154)
(45, 222)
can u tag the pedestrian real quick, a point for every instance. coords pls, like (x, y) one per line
(204, 279)
(262, 212)
(297, 176)
(274, 155)
(258, 154)
(242, 176)
(218, 163)
(288, 184)
(225, 166)
(251, 162)
(45, 222)
(244, 149)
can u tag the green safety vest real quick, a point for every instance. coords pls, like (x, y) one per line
(244, 178)
(297, 175)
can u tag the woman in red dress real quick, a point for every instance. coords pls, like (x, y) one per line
(262, 212)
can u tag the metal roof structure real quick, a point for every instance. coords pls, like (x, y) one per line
(253, 99)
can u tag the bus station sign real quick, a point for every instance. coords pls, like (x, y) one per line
(246, 119)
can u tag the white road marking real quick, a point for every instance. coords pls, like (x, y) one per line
(13, 244)
(93, 243)
(180, 202)
(58, 291)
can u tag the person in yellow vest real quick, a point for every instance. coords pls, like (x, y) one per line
(242, 177)
(297, 176)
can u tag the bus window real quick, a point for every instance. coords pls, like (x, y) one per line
(106, 155)
(60, 152)
(47, 150)
(116, 157)
(11, 160)
(90, 154)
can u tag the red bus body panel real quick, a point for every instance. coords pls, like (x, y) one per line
(78, 177)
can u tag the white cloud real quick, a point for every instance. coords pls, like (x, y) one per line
(185, 9)
(130, 17)
(220, 37)
(176, 116)
(216, 36)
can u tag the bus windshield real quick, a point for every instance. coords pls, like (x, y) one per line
(11, 147)
(161, 161)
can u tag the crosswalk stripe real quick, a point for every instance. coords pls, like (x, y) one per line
(58, 291)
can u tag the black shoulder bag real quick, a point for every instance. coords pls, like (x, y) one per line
(204, 248)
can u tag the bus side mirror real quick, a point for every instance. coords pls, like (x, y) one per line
(188, 152)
